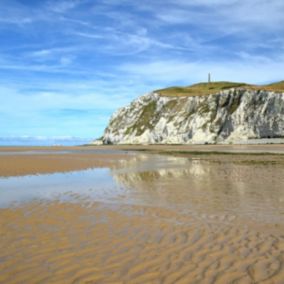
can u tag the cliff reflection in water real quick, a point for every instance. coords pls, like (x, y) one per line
(210, 186)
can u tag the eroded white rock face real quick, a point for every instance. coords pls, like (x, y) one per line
(97, 142)
(231, 116)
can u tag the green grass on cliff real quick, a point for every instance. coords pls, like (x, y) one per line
(204, 89)
(144, 121)
(277, 87)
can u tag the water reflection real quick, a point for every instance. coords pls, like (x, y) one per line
(181, 183)
(205, 185)
(96, 184)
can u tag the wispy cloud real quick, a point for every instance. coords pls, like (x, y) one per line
(247, 16)
(67, 57)
(63, 6)
(77, 114)
(177, 71)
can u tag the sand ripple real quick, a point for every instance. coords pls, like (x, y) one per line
(69, 243)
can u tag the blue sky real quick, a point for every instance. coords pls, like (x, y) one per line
(66, 66)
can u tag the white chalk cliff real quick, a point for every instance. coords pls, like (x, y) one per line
(236, 115)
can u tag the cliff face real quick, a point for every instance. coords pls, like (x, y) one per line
(230, 116)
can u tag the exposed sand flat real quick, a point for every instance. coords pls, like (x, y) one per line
(133, 244)
(36, 148)
(23, 164)
(246, 149)
(32, 160)
(257, 148)
(144, 218)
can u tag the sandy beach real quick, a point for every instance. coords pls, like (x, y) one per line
(34, 160)
(142, 142)
(18, 161)
(120, 216)
(100, 244)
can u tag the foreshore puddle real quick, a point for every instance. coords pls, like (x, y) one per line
(149, 219)
(155, 180)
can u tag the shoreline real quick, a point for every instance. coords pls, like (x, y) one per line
(215, 148)
(161, 218)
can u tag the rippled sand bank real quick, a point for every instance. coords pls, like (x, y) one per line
(144, 218)
(72, 243)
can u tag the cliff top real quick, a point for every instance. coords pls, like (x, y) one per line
(204, 89)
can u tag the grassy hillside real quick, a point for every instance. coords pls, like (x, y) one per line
(203, 89)
(278, 86)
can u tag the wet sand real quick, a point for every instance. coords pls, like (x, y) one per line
(229, 149)
(24, 161)
(71, 243)
(15, 161)
(169, 219)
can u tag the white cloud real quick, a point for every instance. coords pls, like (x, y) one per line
(81, 54)
(77, 109)
(41, 53)
(251, 70)
(16, 21)
(66, 60)
(62, 6)
(82, 95)
(225, 15)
